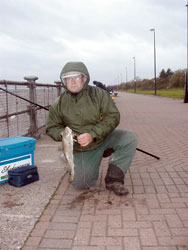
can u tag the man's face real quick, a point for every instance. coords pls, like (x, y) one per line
(75, 84)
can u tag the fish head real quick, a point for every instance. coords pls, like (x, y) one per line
(67, 133)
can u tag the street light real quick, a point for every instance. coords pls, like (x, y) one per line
(121, 77)
(126, 74)
(186, 74)
(134, 74)
(155, 78)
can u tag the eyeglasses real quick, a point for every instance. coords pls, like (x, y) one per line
(75, 78)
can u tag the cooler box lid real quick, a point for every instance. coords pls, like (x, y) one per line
(15, 145)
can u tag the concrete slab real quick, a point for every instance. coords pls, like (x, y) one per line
(21, 207)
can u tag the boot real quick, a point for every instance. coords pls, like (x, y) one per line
(115, 180)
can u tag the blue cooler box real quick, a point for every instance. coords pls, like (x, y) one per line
(15, 152)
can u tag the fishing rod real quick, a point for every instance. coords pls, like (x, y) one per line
(42, 107)
(36, 104)
(148, 153)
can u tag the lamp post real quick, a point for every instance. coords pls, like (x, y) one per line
(155, 78)
(186, 73)
(134, 74)
(126, 74)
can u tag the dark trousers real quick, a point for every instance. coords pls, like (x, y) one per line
(123, 146)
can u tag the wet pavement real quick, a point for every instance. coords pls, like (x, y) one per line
(51, 214)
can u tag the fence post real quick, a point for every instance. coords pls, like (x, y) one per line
(33, 130)
(58, 87)
(7, 111)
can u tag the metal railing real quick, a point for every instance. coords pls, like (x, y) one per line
(19, 117)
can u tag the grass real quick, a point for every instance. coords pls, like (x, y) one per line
(171, 93)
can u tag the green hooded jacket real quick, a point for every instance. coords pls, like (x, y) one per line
(90, 111)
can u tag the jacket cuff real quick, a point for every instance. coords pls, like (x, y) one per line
(93, 135)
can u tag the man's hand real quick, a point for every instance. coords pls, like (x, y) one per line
(84, 139)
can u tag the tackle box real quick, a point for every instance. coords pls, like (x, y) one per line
(15, 152)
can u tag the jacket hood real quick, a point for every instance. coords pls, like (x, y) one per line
(75, 67)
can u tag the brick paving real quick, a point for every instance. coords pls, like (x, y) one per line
(154, 216)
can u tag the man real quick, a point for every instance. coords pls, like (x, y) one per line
(100, 85)
(92, 115)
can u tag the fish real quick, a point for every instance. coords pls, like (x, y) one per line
(67, 148)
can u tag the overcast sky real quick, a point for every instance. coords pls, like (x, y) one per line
(37, 37)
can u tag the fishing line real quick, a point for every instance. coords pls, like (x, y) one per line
(82, 162)
(84, 173)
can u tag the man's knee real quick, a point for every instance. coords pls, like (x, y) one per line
(127, 137)
(132, 138)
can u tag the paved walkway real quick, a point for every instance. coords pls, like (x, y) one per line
(154, 216)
